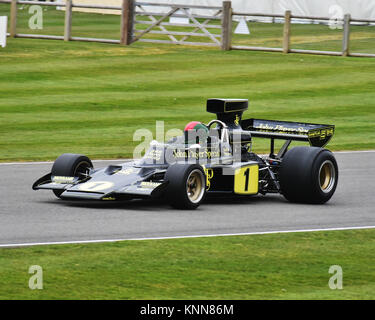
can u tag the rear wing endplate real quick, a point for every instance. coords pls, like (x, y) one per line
(318, 135)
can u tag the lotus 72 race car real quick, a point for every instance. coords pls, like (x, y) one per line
(215, 158)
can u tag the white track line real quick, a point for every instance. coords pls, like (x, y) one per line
(51, 162)
(126, 160)
(181, 237)
(358, 151)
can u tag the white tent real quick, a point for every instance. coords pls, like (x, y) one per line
(359, 9)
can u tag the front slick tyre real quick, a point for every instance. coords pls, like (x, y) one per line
(186, 186)
(70, 165)
(308, 175)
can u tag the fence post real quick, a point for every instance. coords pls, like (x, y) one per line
(346, 36)
(68, 20)
(286, 40)
(127, 22)
(226, 26)
(13, 18)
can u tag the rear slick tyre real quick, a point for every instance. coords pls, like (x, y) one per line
(308, 175)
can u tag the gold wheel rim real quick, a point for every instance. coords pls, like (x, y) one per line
(83, 164)
(195, 186)
(327, 176)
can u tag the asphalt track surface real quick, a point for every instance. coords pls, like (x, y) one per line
(29, 217)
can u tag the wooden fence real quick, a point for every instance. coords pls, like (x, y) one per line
(287, 19)
(156, 23)
(130, 13)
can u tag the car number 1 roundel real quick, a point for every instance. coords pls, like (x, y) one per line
(246, 180)
(95, 186)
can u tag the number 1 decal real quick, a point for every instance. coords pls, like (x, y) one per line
(95, 186)
(246, 179)
(247, 175)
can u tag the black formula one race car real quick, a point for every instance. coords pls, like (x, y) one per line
(216, 158)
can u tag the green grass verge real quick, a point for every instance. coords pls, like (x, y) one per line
(89, 98)
(278, 266)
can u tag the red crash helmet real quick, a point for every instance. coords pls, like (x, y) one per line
(195, 125)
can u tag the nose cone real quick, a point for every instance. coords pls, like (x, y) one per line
(107, 180)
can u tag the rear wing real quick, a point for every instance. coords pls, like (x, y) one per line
(318, 135)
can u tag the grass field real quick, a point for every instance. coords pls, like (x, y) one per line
(279, 266)
(58, 97)
(89, 98)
